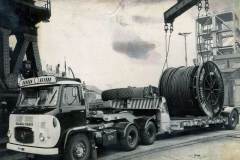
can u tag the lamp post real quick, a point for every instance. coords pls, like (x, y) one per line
(185, 34)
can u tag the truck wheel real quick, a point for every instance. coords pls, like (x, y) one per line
(149, 134)
(130, 140)
(233, 119)
(78, 148)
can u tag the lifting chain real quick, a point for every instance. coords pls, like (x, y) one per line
(199, 5)
(168, 27)
(199, 47)
(206, 7)
(167, 43)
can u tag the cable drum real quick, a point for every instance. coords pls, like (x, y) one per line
(193, 91)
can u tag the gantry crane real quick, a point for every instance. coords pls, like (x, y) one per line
(179, 8)
(18, 18)
(172, 13)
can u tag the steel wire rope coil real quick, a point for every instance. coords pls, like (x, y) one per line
(194, 90)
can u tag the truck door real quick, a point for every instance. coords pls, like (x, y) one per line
(72, 112)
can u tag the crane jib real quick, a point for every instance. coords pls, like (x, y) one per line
(178, 9)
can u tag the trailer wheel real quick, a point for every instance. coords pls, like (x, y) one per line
(78, 148)
(130, 140)
(233, 119)
(149, 134)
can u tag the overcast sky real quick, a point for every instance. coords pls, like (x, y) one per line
(114, 43)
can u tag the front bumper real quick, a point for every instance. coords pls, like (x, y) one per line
(32, 150)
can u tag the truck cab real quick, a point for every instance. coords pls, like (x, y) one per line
(46, 108)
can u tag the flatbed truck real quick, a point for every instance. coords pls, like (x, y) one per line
(52, 117)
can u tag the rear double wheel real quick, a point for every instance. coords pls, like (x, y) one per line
(149, 133)
(130, 140)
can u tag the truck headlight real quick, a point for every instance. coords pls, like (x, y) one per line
(42, 138)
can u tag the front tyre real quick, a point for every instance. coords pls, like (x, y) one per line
(78, 148)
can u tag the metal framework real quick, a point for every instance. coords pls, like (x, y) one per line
(218, 39)
(217, 35)
(179, 8)
(20, 23)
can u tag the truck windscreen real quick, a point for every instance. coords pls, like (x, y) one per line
(39, 96)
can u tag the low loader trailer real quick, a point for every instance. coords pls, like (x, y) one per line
(52, 117)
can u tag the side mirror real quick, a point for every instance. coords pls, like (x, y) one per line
(2, 103)
(82, 102)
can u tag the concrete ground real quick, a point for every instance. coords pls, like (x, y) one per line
(227, 148)
(194, 145)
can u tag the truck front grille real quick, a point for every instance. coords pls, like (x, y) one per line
(24, 135)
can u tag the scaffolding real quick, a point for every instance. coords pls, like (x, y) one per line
(217, 35)
(218, 39)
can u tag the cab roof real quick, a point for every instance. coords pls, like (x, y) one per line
(47, 80)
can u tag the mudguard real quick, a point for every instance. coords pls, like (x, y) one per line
(71, 131)
(121, 127)
(228, 110)
(141, 123)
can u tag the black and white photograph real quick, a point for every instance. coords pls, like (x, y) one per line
(119, 79)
